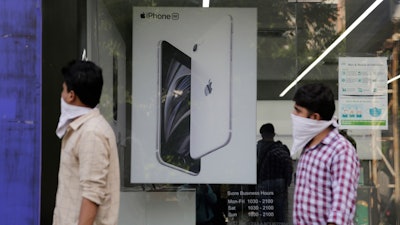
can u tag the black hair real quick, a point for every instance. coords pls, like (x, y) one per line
(84, 78)
(267, 130)
(316, 98)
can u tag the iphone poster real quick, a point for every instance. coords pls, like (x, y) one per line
(194, 86)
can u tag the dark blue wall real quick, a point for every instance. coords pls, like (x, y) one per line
(20, 111)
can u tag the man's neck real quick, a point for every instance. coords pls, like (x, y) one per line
(317, 139)
(268, 139)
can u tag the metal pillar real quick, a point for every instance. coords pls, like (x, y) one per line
(395, 109)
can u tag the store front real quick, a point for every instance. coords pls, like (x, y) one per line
(262, 52)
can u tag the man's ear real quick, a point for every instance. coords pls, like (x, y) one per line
(315, 116)
(71, 97)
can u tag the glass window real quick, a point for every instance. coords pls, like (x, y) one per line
(298, 42)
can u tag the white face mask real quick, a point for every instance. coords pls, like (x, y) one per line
(68, 113)
(305, 129)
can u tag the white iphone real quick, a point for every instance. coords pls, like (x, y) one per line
(211, 89)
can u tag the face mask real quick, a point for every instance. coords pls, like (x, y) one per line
(305, 129)
(68, 113)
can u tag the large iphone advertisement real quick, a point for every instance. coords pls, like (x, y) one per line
(194, 95)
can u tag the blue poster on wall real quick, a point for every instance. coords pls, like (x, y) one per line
(20, 111)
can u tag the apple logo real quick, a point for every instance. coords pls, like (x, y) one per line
(142, 15)
(208, 88)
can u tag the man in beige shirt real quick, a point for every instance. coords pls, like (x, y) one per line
(88, 180)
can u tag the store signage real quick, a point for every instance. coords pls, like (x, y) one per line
(363, 100)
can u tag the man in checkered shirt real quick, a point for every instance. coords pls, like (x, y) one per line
(328, 167)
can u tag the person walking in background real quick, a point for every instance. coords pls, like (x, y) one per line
(328, 167)
(88, 181)
(274, 175)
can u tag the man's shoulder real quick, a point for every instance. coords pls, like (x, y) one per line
(94, 117)
(97, 123)
(279, 147)
(262, 144)
(340, 145)
(339, 139)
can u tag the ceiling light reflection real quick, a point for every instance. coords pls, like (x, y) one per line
(206, 3)
(332, 46)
